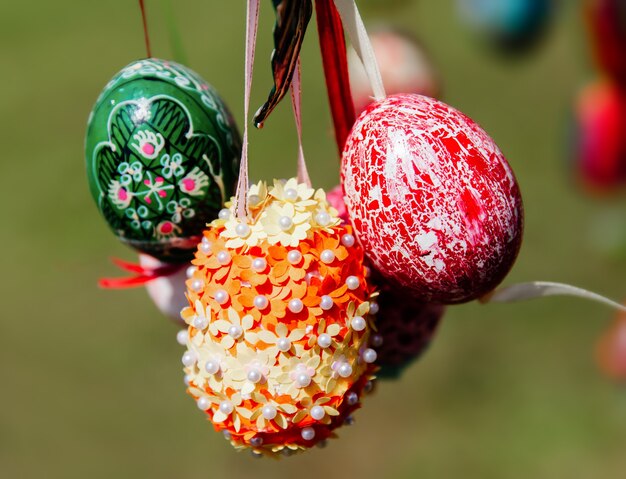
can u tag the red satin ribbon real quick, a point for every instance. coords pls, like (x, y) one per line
(332, 45)
(143, 275)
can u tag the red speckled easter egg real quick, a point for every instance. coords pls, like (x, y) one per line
(431, 198)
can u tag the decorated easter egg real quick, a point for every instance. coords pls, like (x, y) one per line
(277, 345)
(600, 137)
(162, 154)
(509, 25)
(405, 327)
(431, 198)
(404, 65)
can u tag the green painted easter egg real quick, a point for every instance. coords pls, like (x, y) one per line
(162, 155)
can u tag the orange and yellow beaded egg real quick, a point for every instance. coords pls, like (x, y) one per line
(277, 346)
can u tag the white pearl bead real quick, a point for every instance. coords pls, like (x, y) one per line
(285, 223)
(205, 248)
(223, 257)
(181, 337)
(326, 303)
(308, 433)
(224, 214)
(221, 296)
(283, 344)
(352, 282)
(269, 412)
(317, 413)
(254, 376)
(212, 366)
(254, 200)
(260, 302)
(203, 403)
(187, 379)
(377, 340)
(235, 331)
(358, 323)
(322, 218)
(327, 256)
(324, 340)
(205, 240)
(349, 421)
(374, 308)
(369, 355)
(294, 256)
(352, 398)
(227, 435)
(242, 230)
(189, 358)
(197, 285)
(256, 442)
(200, 322)
(295, 305)
(369, 387)
(226, 407)
(347, 240)
(190, 271)
(259, 264)
(344, 370)
(303, 380)
(291, 194)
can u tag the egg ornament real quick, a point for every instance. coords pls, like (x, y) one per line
(432, 200)
(278, 349)
(509, 26)
(405, 329)
(600, 137)
(162, 153)
(404, 64)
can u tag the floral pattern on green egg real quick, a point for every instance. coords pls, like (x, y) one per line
(162, 154)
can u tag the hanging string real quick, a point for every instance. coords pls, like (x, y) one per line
(252, 20)
(362, 45)
(145, 28)
(296, 103)
(332, 46)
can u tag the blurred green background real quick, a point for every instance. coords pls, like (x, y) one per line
(91, 380)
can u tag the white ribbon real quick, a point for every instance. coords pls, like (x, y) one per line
(540, 289)
(353, 23)
(252, 21)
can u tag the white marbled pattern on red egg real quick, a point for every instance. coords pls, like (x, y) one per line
(432, 199)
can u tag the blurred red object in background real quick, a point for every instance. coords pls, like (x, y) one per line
(600, 138)
(606, 20)
(404, 65)
(611, 349)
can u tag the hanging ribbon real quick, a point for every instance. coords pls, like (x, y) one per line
(540, 289)
(332, 46)
(142, 276)
(362, 45)
(296, 103)
(252, 21)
